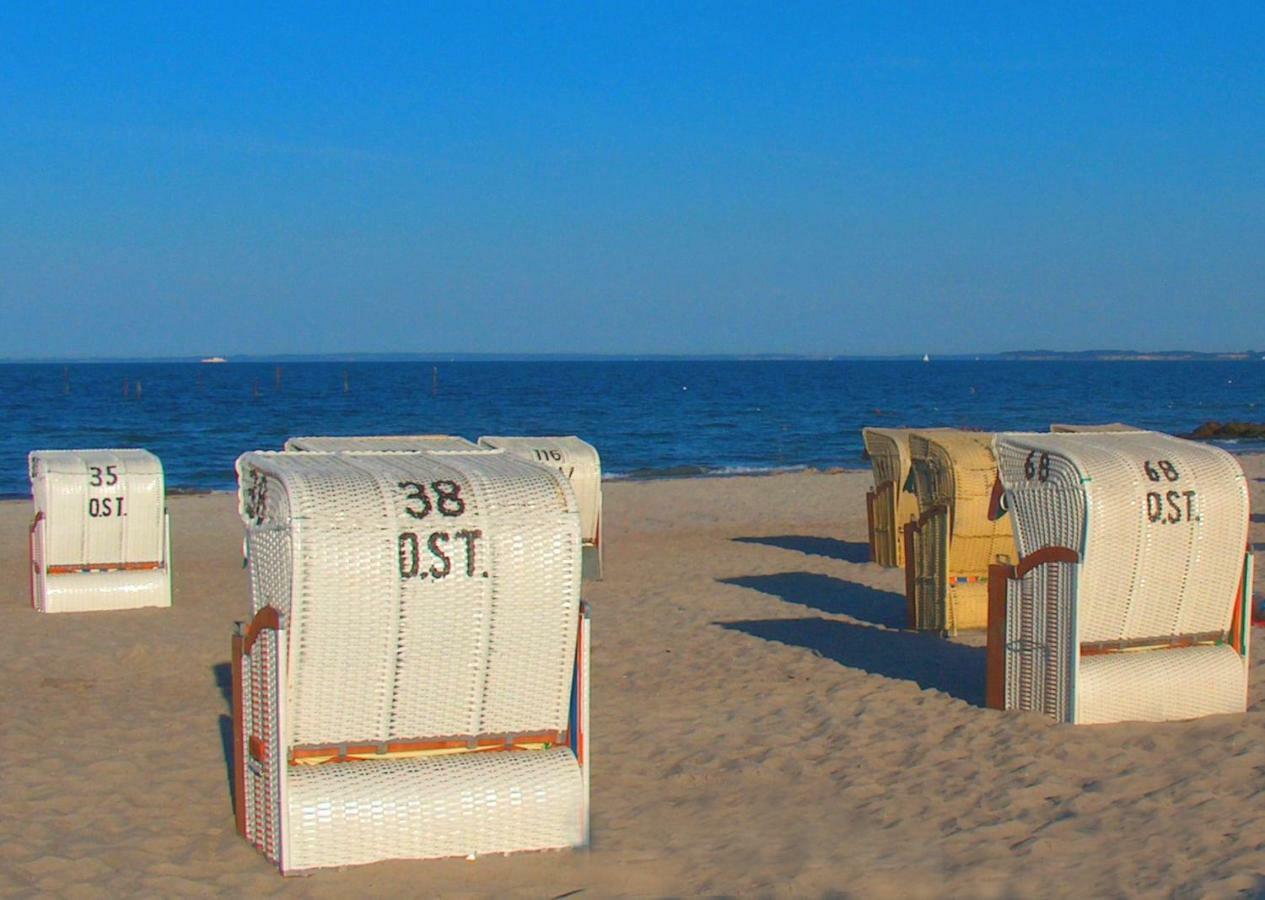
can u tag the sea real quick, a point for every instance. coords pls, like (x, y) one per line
(648, 418)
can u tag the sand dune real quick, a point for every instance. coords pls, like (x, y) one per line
(762, 723)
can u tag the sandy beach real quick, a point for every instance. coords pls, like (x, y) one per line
(763, 724)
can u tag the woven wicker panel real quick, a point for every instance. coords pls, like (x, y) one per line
(260, 717)
(1161, 685)
(931, 552)
(379, 442)
(268, 549)
(363, 812)
(457, 618)
(99, 591)
(576, 459)
(1039, 653)
(889, 455)
(957, 468)
(1160, 524)
(966, 606)
(79, 492)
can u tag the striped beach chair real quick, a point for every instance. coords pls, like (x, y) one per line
(379, 442)
(888, 506)
(578, 460)
(954, 540)
(1128, 599)
(413, 682)
(100, 537)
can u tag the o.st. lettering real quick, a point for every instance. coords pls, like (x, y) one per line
(430, 556)
(106, 507)
(1171, 507)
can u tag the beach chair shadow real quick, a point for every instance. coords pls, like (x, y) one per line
(928, 661)
(846, 551)
(223, 674)
(832, 595)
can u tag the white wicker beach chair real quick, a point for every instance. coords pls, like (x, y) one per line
(888, 506)
(414, 681)
(1127, 602)
(99, 539)
(380, 442)
(578, 460)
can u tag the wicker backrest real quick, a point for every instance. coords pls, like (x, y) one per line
(100, 506)
(957, 469)
(576, 459)
(889, 454)
(429, 594)
(380, 442)
(1160, 524)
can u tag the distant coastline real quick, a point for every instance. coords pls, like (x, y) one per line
(1132, 355)
(436, 358)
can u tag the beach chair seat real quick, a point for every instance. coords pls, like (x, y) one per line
(953, 541)
(379, 442)
(888, 506)
(414, 680)
(99, 539)
(579, 461)
(1127, 602)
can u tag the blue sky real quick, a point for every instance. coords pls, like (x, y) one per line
(672, 178)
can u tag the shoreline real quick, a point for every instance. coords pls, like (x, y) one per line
(763, 723)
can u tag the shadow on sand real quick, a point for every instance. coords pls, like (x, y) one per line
(223, 673)
(832, 595)
(847, 551)
(930, 662)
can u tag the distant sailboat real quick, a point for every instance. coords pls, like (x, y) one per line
(214, 359)
(926, 358)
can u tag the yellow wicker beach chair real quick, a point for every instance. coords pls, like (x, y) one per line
(99, 539)
(379, 442)
(578, 460)
(1062, 428)
(1129, 600)
(954, 540)
(414, 680)
(888, 506)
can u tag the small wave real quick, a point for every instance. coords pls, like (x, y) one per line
(646, 474)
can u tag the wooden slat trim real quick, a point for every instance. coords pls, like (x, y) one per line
(1172, 642)
(267, 619)
(493, 742)
(995, 655)
(1044, 556)
(104, 567)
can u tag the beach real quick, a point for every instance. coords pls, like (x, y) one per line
(762, 723)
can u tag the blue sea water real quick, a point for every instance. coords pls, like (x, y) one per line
(645, 417)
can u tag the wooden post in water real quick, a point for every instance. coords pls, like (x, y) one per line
(124, 385)
(256, 389)
(434, 381)
(138, 389)
(346, 383)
